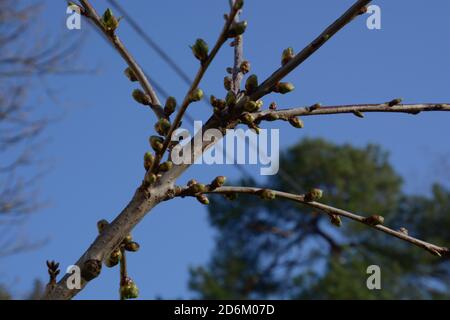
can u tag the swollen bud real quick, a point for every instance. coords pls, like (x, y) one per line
(227, 83)
(170, 106)
(395, 102)
(245, 67)
(374, 220)
(156, 143)
(148, 160)
(313, 195)
(237, 28)
(230, 99)
(128, 289)
(196, 95)
(129, 73)
(251, 106)
(132, 246)
(109, 21)
(247, 118)
(197, 188)
(296, 122)
(251, 84)
(287, 55)
(284, 87)
(200, 50)
(335, 220)
(150, 178)
(218, 182)
(114, 258)
(141, 97)
(266, 194)
(165, 166)
(203, 199)
(162, 127)
(101, 225)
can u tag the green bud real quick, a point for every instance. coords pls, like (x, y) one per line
(247, 118)
(237, 28)
(203, 199)
(218, 182)
(296, 122)
(271, 117)
(358, 113)
(395, 102)
(313, 195)
(197, 188)
(132, 246)
(227, 83)
(129, 73)
(251, 84)
(287, 55)
(251, 106)
(374, 220)
(114, 258)
(150, 178)
(200, 50)
(165, 166)
(128, 289)
(335, 220)
(196, 95)
(170, 106)
(230, 99)
(156, 143)
(192, 182)
(101, 225)
(245, 67)
(128, 238)
(162, 127)
(148, 160)
(284, 87)
(109, 21)
(266, 194)
(141, 97)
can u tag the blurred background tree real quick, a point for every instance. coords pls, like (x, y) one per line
(23, 64)
(279, 249)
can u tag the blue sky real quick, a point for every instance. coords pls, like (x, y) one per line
(94, 149)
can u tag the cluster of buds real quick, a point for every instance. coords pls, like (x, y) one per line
(253, 106)
(283, 87)
(249, 120)
(218, 104)
(109, 21)
(374, 220)
(314, 194)
(197, 189)
(200, 50)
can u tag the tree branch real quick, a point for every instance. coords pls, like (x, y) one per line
(266, 87)
(434, 249)
(286, 114)
(92, 14)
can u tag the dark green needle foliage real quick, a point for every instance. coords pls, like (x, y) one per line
(280, 249)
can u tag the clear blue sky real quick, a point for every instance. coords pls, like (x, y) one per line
(95, 147)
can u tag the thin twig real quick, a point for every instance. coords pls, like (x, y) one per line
(349, 15)
(92, 14)
(285, 114)
(434, 249)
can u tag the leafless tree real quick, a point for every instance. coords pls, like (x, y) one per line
(25, 55)
(241, 106)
